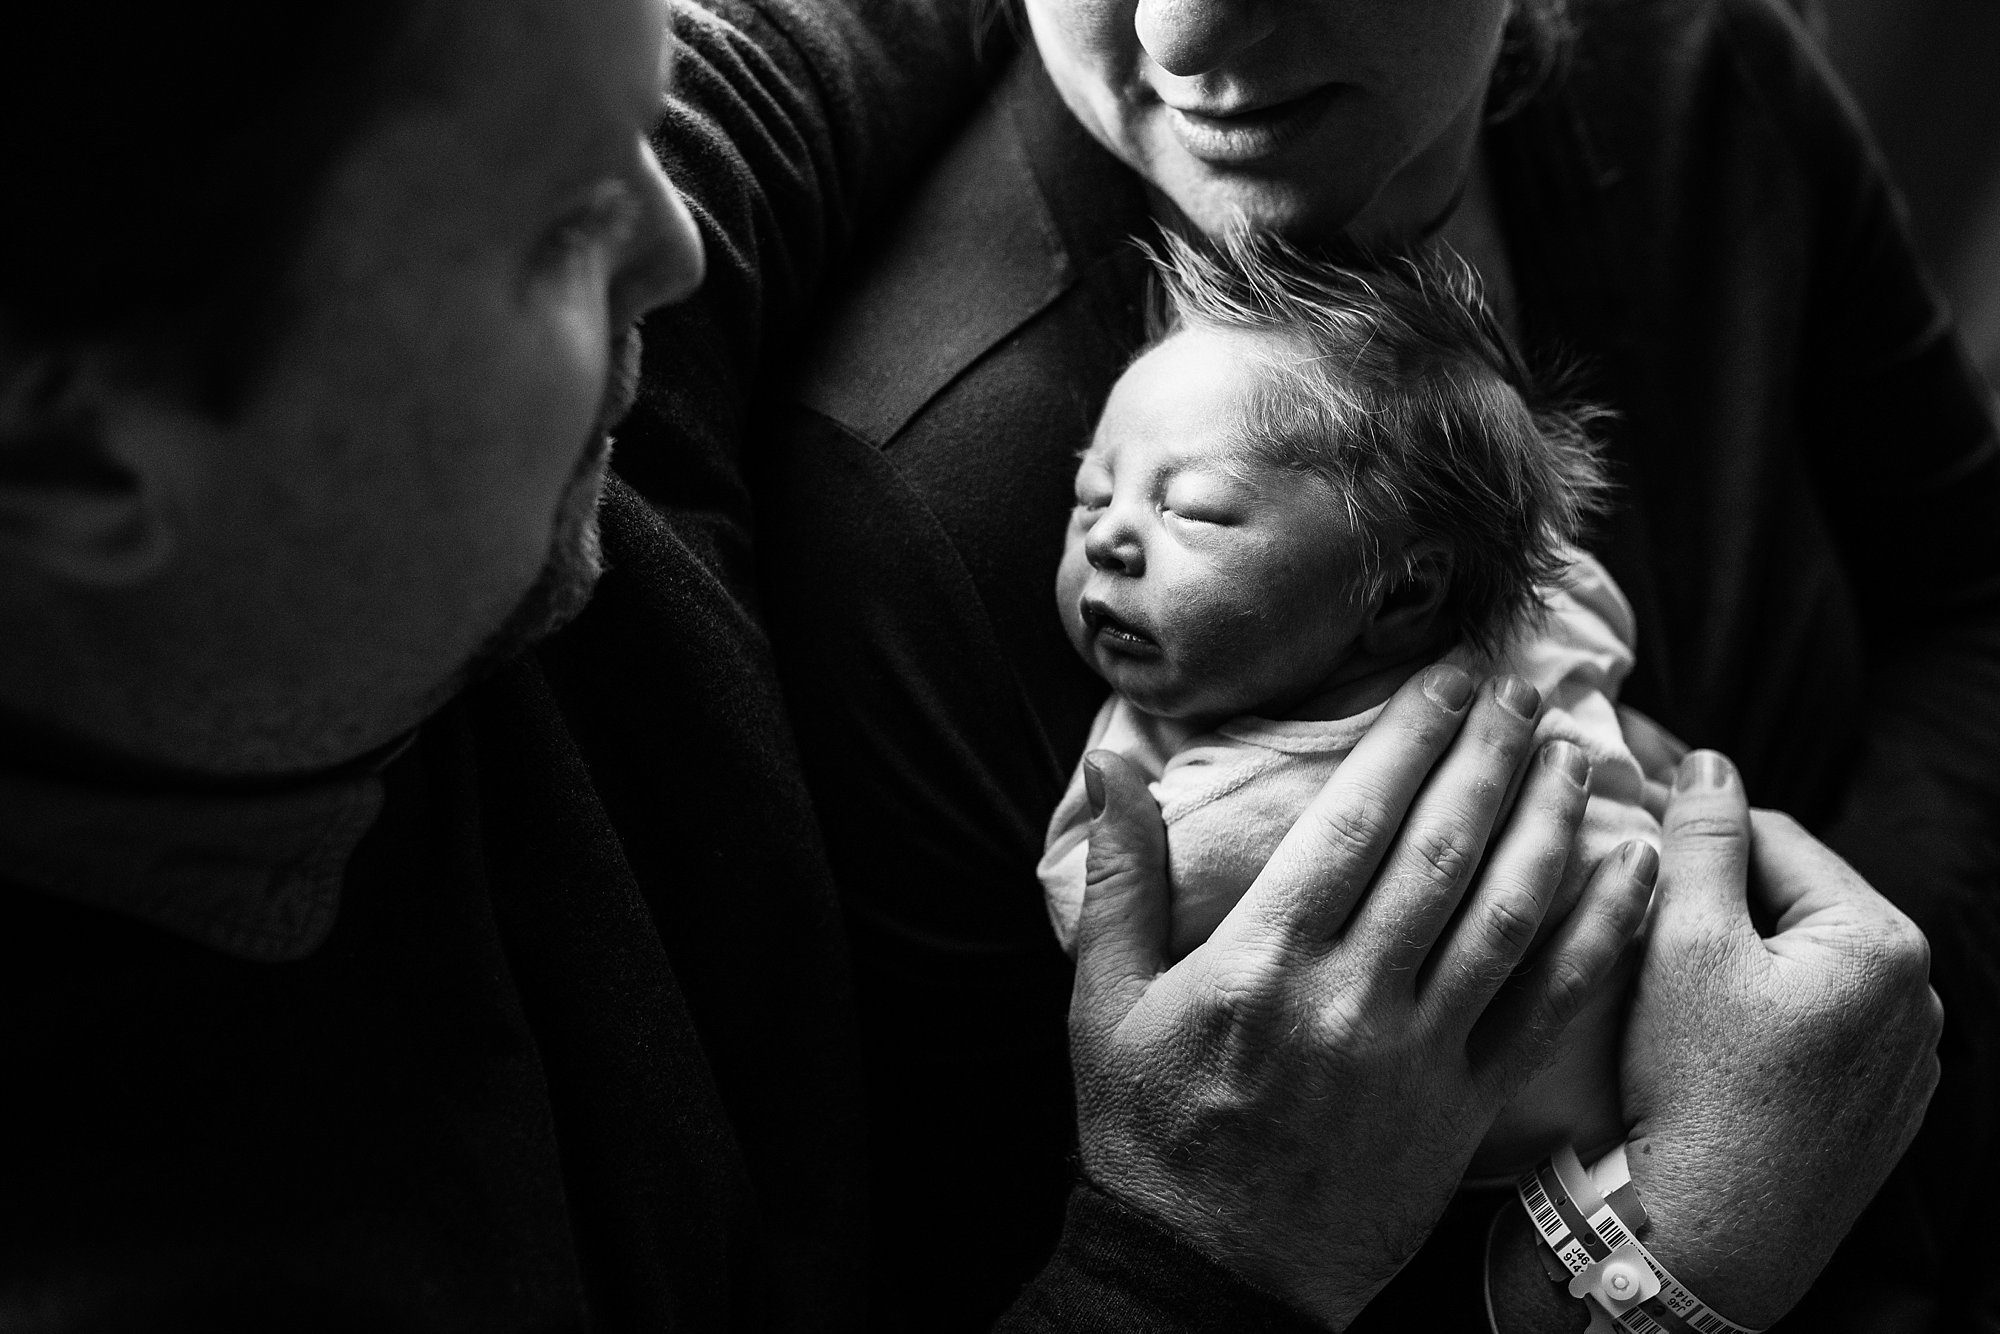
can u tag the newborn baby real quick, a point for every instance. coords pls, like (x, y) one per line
(1315, 483)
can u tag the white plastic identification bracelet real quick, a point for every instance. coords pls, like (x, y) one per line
(1587, 1220)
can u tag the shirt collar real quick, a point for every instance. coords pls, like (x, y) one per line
(252, 874)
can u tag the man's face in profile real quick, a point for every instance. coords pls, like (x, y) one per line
(414, 479)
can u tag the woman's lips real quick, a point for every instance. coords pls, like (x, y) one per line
(1114, 634)
(1247, 136)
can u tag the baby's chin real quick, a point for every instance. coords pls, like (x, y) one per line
(1156, 689)
(1195, 708)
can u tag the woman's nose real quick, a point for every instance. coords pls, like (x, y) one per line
(1112, 545)
(1194, 36)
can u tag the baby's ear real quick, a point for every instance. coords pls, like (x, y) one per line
(1404, 619)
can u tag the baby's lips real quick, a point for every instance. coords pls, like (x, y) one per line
(1098, 618)
(1114, 633)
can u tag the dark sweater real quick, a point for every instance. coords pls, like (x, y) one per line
(1808, 526)
(567, 1041)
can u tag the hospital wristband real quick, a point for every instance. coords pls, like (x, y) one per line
(1591, 1241)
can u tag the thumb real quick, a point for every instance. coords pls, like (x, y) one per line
(1122, 935)
(1803, 885)
(1658, 751)
(1705, 852)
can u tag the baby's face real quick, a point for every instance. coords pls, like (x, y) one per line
(1199, 581)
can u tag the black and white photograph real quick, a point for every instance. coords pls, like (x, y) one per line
(1015, 666)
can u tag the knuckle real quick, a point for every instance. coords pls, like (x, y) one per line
(1444, 851)
(1782, 822)
(1341, 1015)
(1247, 990)
(1908, 951)
(1566, 987)
(1428, 728)
(1509, 919)
(1501, 736)
(1350, 1025)
(1704, 825)
(1353, 826)
(1104, 866)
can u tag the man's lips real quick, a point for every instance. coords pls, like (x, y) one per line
(1243, 133)
(1111, 632)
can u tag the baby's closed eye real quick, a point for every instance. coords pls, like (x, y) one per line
(1198, 503)
(1093, 488)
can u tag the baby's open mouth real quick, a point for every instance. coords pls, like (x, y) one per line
(1110, 631)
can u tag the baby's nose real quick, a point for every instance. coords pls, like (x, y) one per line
(1112, 546)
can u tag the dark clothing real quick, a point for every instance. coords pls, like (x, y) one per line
(1808, 527)
(563, 1038)
(487, 1101)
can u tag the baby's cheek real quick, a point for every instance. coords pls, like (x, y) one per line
(1224, 643)
(1070, 577)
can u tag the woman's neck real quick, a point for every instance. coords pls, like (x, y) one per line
(1473, 231)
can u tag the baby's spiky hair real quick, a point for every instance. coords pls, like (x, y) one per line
(1395, 385)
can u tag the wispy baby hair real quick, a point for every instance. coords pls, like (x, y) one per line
(1393, 383)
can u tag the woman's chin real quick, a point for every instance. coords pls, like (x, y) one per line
(1289, 192)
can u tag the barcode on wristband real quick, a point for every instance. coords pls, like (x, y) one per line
(1609, 1228)
(1547, 1220)
(1640, 1321)
(1675, 1310)
(1578, 1242)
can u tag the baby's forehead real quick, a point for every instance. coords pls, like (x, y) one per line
(1201, 398)
(1219, 447)
(1261, 355)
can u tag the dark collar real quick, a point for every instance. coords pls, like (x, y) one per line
(1021, 207)
(253, 874)
(1025, 205)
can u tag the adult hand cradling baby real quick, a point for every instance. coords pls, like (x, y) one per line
(1302, 1093)
(1755, 1154)
(387, 943)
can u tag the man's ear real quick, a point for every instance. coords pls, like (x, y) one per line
(1404, 620)
(68, 503)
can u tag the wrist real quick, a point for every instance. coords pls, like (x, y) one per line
(1118, 1268)
(1720, 1234)
(1300, 1276)
(1725, 1229)
(1522, 1299)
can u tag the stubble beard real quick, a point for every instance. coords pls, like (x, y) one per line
(576, 553)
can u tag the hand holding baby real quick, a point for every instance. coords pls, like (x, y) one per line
(1829, 1058)
(1780, 1051)
(1301, 1094)
(1314, 484)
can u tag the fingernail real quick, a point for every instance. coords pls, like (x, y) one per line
(1569, 760)
(1702, 769)
(1450, 687)
(1093, 788)
(1518, 696)
(1642, 863)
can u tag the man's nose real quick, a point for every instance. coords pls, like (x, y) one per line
(1194, 36)
(1113, 545)
(667, 260)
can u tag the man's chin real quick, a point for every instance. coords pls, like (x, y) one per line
(576, 557)
(562, 588)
